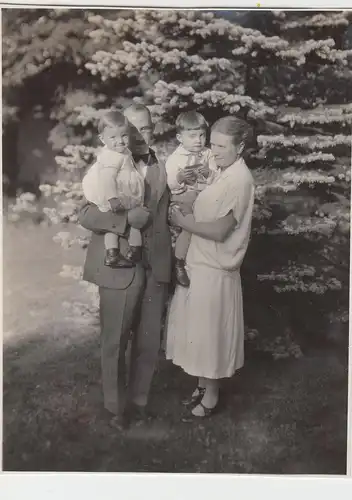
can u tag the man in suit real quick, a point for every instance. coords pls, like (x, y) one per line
(132, 299)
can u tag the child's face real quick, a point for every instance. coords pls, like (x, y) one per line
(116, 138)
(192, 140)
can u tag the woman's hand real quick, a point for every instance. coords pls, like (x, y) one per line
(178, 219)
(189, 220)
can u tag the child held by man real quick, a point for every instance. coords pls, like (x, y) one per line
(190, 168)
(114, 184)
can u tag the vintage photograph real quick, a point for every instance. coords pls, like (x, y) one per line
(176, 240)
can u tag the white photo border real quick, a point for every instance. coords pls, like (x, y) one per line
(134, 486)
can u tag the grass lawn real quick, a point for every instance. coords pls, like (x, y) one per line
(279, 417)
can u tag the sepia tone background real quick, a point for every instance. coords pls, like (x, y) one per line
(287, 73)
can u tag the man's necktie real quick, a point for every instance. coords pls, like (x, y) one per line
(144, 158)
(147, 158)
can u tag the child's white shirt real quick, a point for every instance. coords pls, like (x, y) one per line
(113, 174)
(180, 159)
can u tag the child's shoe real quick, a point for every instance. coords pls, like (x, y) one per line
(181, 273)
(113, 258)
(134, 254)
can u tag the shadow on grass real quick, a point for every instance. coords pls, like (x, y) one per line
(286, 417)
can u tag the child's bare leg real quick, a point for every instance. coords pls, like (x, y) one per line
(182, 245)
(181, 249)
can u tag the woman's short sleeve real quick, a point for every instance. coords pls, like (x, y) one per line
(237, 196)
(244, 197)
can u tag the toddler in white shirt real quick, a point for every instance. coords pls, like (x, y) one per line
(113, 183)
(190, 168)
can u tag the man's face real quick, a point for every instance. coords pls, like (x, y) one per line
(141, 131)
(224, 150)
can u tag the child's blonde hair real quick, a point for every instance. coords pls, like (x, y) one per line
(190, 120)
(112, 118)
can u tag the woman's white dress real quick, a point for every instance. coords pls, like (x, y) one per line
(205, 329)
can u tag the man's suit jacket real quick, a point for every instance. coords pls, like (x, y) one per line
(159, 244)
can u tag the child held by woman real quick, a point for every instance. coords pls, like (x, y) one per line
(190, 168)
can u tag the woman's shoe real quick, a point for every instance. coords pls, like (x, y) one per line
(195, 398)
(207, 412)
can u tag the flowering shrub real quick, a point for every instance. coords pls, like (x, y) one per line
(24, 203)
(291, 87)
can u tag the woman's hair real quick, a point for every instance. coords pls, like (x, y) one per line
(238, 129)
(112, 119)
(190, 120)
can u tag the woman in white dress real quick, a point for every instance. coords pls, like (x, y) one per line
(205, 329)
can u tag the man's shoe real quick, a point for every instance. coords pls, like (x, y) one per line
(113, 258)
(119, 422)
(181, 273)
(138, 414)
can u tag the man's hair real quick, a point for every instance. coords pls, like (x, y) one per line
(136, 107)
(112, 118)
(190, 120)
(238, 129)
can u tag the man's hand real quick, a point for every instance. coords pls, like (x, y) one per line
(138, 217)
(116, 205)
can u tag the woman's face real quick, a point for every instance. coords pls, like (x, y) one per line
(224, 150)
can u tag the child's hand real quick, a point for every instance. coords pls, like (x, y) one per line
(187, 176)
(115, 205)
(204, 170)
